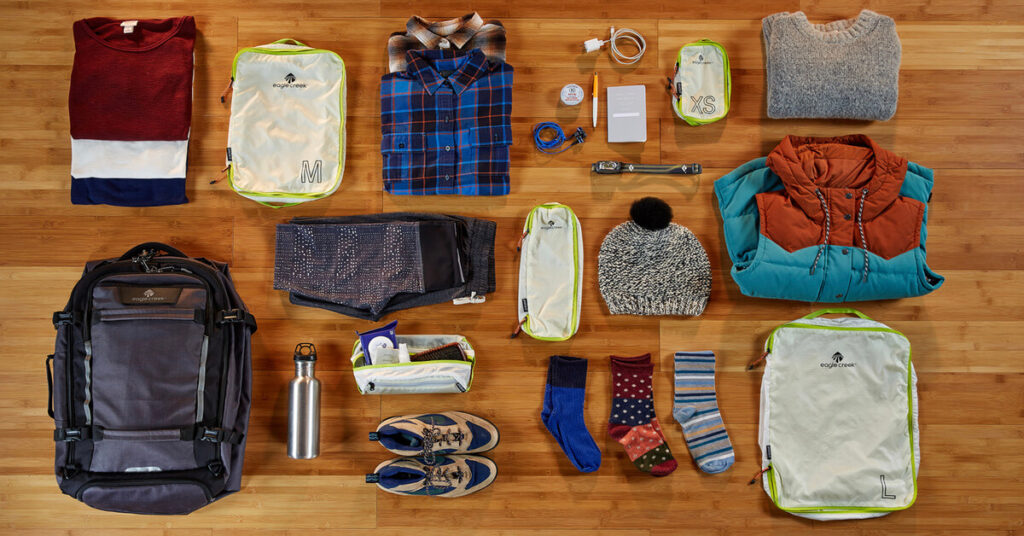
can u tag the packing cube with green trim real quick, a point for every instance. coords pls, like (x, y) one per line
(702, 86)
(838, 427)
(286, 137)
(417, 377)
(551, 273)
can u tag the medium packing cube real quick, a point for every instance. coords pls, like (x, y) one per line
(838, 427)
(150, 384)
(550, 273)
(702, 86)
(286, 136)
(417, 377)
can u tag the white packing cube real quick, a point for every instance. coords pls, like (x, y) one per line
(551, 273)
(838, 427)
(702, 86)
(286, 137)
(416, 377)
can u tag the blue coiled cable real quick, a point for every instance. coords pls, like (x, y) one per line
(552, 146)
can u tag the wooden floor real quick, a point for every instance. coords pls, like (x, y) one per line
(961, 112)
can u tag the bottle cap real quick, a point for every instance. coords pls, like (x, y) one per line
(305, 351)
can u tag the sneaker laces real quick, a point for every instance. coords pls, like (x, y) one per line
(437, 476)
(434, 436)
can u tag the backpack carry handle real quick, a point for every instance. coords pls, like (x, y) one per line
(838, 310)
(152, 246)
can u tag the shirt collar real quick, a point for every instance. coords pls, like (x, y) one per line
(421, 66)
(457, 31)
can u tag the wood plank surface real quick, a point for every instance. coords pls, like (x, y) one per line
(961, 113)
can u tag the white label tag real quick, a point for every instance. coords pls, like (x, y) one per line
(444, 43)
(129, 26)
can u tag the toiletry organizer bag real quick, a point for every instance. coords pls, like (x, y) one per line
(416, 377)
(286, 136)
(838, 427)
(551, 273)
(702, 86)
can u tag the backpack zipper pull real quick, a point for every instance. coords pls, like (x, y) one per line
(227, 91)
(758, 361)
(758, 475)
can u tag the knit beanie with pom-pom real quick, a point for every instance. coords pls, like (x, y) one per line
(651, 266)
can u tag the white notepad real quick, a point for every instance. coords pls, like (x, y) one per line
(627, 114)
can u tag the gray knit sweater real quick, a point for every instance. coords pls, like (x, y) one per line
(663, 272)
(847, 69)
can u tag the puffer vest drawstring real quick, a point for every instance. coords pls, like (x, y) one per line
(860, 226)
(828, 228)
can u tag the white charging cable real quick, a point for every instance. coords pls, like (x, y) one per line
(626, 34)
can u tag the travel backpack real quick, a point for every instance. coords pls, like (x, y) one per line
(838, 429)
(151, 383)
(286, 135)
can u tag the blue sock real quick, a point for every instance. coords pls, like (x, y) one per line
(563, 411)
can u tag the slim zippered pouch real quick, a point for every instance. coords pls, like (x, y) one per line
(702, 86)
(551, 273)
(286, 137)
(838, 425)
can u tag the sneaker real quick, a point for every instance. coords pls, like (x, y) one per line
(427, 434)
(448, 476)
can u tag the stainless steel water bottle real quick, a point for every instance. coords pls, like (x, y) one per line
(304, 405)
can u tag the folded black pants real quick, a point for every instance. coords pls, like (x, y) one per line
(368, 266)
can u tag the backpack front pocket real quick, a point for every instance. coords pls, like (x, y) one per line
(145, 370)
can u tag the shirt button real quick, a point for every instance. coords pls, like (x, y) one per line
(449, 148)
(447, 177)
(846, 252)
(847, 217)
(849, 195)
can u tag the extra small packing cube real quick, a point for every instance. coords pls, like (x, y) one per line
(702, 86)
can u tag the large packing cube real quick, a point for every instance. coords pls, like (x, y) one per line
(286, 137)
(151, 383)
(417, 377)
(838, 426)
(551, 273)
(702, 85)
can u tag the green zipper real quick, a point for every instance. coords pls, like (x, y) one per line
(574, 319)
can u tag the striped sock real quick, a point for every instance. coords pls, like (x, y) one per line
(696, 409)
(632, 422)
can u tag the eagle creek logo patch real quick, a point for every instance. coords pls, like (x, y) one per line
(549, 225)
(699, 60)
(289, 82)
(837, 362)
(147, 296)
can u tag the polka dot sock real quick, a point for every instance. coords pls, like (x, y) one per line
(632, 421)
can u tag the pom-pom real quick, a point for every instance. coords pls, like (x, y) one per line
(651, 213)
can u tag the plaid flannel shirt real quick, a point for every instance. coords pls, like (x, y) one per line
(446, 124)
(464, 33)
